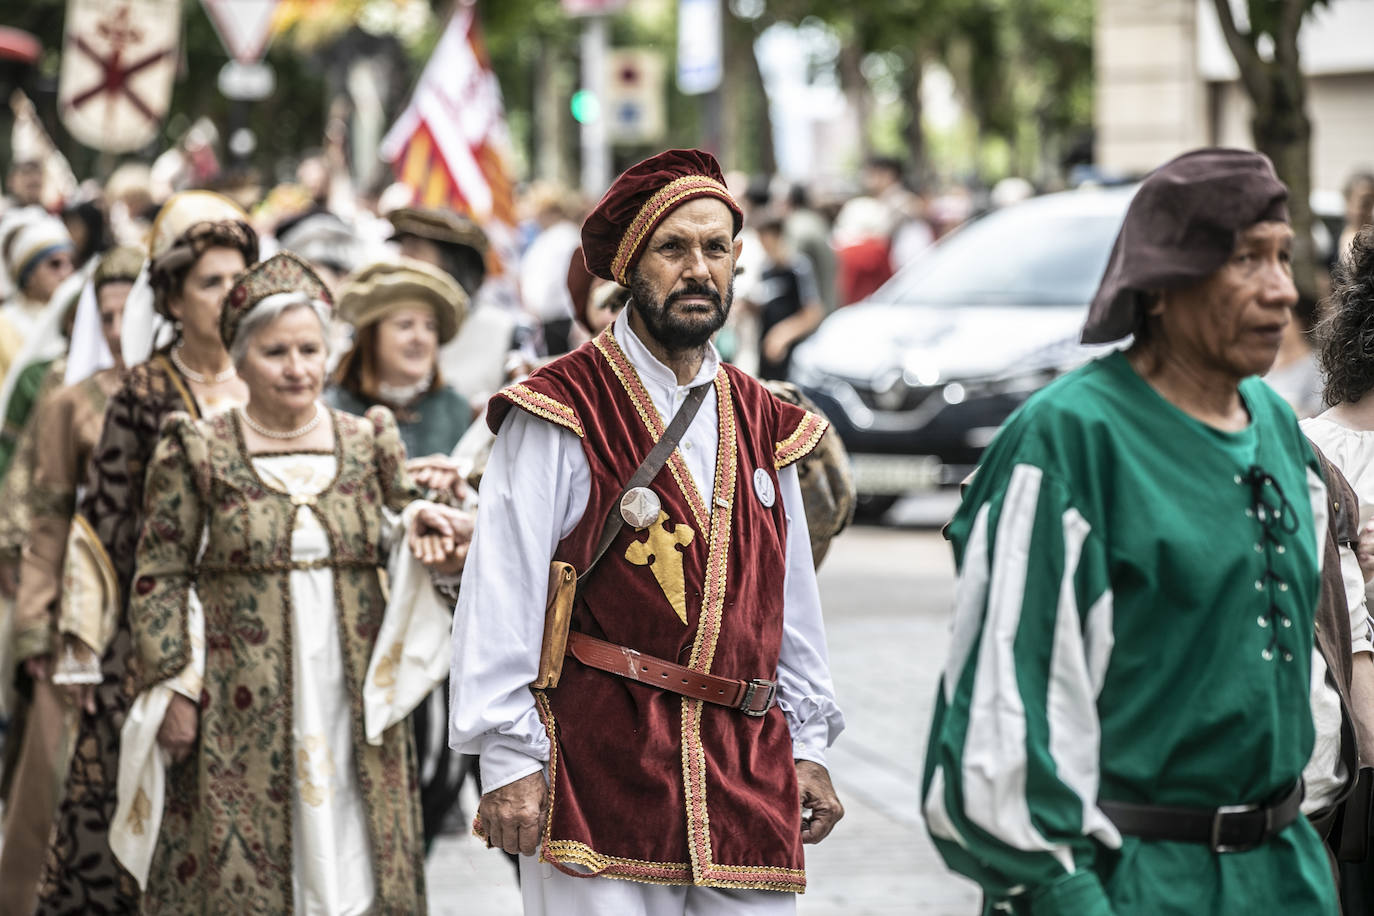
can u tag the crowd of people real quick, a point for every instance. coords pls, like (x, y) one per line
(303, 525)
(244, 447)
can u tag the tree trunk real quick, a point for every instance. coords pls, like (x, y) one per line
(855, 88)
(1284, 134)
(917, 162)
(1280, 126)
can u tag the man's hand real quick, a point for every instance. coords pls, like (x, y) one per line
(813, 784)
(440, 537)
(513, 815)
(178, 732)
(440, 474)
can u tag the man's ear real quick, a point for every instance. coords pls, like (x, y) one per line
(739, 246)
(1152, 303)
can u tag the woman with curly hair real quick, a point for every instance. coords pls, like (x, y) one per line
(200, 243)
(1345, 431)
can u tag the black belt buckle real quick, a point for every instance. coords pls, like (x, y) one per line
(1219, 817)
(752, 688)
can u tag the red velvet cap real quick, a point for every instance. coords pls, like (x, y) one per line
(615, 232)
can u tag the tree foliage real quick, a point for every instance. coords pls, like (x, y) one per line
(1023, 68)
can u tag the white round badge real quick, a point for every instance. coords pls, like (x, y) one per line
(640, 507)
(763, 488)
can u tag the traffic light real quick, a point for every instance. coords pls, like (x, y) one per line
(586, 108)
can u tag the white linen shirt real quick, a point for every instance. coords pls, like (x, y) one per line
(1352, 452)
(533, 494)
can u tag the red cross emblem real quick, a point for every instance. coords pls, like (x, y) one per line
(116, 73)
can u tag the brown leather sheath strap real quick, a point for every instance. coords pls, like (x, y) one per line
(753, 698)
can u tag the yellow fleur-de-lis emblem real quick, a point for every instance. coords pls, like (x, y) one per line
(660, 553)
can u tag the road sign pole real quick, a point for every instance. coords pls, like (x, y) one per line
(596, 155)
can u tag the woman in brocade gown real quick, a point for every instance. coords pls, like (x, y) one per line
(267, 538)
(53, 452)
(200, 242)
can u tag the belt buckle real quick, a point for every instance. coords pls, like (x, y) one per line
(1220, 813)
(750, 690)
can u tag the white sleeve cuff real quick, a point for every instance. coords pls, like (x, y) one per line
(503, 761)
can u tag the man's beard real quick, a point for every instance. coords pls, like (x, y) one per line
(674, 331)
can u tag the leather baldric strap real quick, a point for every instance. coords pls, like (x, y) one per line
(648, 469)
(753, 698)
(1230, 828)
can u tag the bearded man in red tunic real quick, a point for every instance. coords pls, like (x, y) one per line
(686, 735)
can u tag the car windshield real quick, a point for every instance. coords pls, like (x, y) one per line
(1018, 256)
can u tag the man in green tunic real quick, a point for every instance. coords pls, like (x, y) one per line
(1124, 715)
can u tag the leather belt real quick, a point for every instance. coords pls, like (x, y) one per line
(1230, 828)
(753, 698)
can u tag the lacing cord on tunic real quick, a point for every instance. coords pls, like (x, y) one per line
(1276, 515)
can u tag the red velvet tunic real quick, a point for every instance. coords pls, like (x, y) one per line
(646, 784)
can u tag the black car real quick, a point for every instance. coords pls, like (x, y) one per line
(918, 378)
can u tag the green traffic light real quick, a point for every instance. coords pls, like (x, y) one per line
(585, 106)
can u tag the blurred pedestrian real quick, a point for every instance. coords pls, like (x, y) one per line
(401, 315)
(543, 266)
(1359, 209)
(291, 784)
(808, 233)
(200, 243)
(476, 362)
(39, 257)
(1125, 716)
(688, 786)
(788, 302)
(62, 433)
(24, 183)
(908, 233)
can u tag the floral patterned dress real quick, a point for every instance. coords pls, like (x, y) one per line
(283, 801)
(81, 875)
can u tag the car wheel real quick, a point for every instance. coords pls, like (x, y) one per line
(871, 507)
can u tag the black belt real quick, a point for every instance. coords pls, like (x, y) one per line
(1230, 828)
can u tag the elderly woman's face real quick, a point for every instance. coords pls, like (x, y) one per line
(202, 294)
(283, 366)
(1234, 320)
(407, 345)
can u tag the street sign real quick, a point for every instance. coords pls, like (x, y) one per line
(633, 106)
(699, 39)
(244, 26)
(118, 62)
(247, 82)
(592, 7)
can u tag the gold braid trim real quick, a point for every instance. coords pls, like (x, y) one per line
(634, 388)
(544, 407)
(737, 877)
(667, 197)
(803, 439)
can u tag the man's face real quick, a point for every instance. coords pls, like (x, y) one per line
(684, 283)
(111, 298)
(26, 183)
(1234, 320)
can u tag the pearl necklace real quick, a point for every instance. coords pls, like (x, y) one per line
(296, 433)
(199, 378)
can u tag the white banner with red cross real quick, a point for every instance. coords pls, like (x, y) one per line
(119, 58)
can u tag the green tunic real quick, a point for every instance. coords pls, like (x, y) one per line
(1133, 621)
(430, 426)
